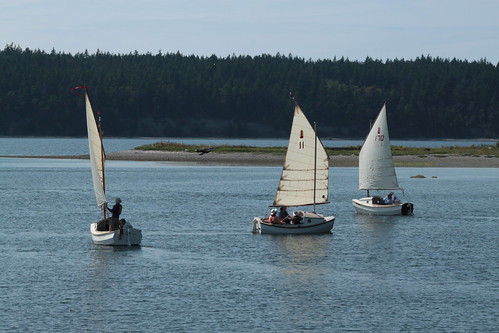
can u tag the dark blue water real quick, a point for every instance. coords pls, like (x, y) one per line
(200, 269)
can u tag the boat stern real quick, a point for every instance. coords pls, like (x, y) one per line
(128, 236)
(257, 227)
(134, 236)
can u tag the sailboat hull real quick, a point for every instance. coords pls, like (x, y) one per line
(129, 236)
(366, 206)
(311, 224)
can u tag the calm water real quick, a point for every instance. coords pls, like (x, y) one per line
(79, 146)
(201, 270)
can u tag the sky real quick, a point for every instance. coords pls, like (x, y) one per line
(310, 29)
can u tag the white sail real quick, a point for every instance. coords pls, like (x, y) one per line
(96, 155)
(376, 170)
(304, 178)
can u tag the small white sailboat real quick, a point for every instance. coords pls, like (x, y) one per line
(126, 234)
(377, 172)
(304, 182)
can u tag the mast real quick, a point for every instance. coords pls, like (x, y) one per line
(103, 157)
(315, 162)
(370, 127)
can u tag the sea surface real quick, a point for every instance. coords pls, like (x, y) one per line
(200, 269)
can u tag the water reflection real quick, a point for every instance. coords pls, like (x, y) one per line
(376, 222)
(100, 257)
(376, 232)
(302, 257)
(103, 257)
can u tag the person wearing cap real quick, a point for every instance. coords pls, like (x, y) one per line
(273, 218)
(391, 199)
(115, 218)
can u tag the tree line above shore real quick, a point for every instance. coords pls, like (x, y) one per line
(173, 95)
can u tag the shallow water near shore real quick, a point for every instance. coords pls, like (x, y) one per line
(200, 269)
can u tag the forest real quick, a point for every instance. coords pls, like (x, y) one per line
(176, 95)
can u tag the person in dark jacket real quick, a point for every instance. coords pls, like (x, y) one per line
(115, 218)
(283, 215)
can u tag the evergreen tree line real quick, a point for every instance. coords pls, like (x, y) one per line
(173, 95)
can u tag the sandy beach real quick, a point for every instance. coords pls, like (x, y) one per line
(277, 160)
(214, 158)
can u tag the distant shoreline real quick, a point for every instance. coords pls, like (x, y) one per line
(255, 159)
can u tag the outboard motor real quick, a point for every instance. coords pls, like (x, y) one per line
(407, 208)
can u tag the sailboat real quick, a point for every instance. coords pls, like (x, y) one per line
(377, 172)
(101, 235)
(304, 182)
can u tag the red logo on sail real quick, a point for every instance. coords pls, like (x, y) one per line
(379, 137)
(301, 144)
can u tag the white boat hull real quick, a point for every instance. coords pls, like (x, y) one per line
(127, 237)
(366, 206)
(311, 224)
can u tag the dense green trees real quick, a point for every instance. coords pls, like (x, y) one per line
(171, 94)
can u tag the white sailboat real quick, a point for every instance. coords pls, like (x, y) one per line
(377, 172)
(304, 182)
(126, 234)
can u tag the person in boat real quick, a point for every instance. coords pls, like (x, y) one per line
(391, 199)
(283, 215)
(297, 217)
(274, 218)
(115, 217)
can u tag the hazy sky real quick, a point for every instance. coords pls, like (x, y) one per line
(316, 29)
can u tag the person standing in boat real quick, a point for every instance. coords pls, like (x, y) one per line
(115, 218)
